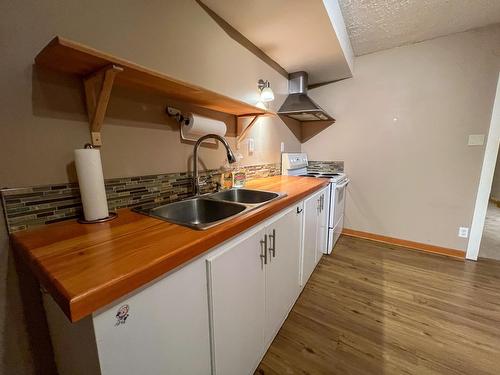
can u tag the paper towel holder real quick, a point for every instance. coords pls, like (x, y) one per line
(179, 117)
(184, 120)
(111, 216)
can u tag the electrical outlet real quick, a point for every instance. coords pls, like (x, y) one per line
(463, 232)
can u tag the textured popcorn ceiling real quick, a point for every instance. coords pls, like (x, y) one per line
(374, 25)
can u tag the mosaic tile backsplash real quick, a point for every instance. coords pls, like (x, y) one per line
(33, 206)
(325, 166)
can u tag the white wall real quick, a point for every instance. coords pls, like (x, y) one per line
(42, 116)
(413, 178)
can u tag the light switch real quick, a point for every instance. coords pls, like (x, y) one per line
(251, 146)
(282, 147)
(476, 140)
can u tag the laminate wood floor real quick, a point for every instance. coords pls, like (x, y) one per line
(490, 242)
(372, 308)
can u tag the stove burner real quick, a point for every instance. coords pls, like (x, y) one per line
(320, 175)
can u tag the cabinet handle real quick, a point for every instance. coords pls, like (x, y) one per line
(299, 210)
(273, 248)
(263, 243)
(322, 202)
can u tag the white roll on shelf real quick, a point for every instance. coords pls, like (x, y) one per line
(195, 126)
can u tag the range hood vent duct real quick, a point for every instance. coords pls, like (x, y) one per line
(298, 105)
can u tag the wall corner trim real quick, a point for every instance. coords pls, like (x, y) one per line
(454, 253)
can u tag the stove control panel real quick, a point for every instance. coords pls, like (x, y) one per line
(293, 161)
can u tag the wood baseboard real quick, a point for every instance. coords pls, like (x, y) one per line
(404, 243)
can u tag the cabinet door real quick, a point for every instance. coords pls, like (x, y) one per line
(166, 330)
(310, 236)
(236, 284)
(283, 268)
(322, 224)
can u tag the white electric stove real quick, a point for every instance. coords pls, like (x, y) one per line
(295, 164)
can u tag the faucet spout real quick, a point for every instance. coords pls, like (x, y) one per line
(230, 157)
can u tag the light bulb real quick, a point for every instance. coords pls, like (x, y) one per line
(267, 95)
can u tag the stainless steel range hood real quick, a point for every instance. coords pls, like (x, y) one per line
(298, 105)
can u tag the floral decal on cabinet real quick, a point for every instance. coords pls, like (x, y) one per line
(122, 315)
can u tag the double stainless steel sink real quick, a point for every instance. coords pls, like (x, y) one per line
(206, 211)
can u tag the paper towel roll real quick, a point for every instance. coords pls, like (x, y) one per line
(195, 126)
(91, 181)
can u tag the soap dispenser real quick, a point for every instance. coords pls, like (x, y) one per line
(226, 177)
(239, 176)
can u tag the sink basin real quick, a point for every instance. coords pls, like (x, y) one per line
(198, 213)
(211, 209)
(245, 196)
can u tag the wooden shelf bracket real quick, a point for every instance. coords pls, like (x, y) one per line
(242, 132)
(98, 87)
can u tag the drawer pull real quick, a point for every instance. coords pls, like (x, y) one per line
(263, 246)
(273, 248)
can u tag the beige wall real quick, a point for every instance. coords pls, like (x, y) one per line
(42, 117)
(414, 178)
(495, 187)
(44, 112)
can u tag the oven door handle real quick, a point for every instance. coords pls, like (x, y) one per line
(343, 185)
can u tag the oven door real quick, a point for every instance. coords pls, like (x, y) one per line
(338, 202)
(336, 217)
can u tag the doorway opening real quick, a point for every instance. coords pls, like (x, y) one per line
(486, 189)
(490, 241)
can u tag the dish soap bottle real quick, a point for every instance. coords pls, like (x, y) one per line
(226, 177)
(239, 176)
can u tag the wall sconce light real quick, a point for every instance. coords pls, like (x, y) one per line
(266, 93)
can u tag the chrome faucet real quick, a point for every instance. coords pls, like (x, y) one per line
(230, 158)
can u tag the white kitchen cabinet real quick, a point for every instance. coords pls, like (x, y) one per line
(166, 330)
(253, 284)
(310, 229)
(283, 268)
(322, 234)
(315, 229)
(237, 298)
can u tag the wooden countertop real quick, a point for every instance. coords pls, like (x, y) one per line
(85, 267)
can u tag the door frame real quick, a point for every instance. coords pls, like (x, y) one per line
(486, 180)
